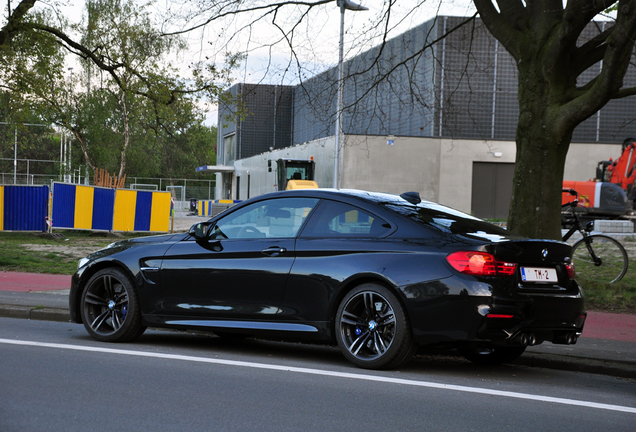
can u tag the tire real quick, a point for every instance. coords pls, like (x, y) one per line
(489, 356)
(613, 259)
(110, 307)
(372, 328)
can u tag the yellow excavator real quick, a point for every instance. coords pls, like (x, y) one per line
(296, 174)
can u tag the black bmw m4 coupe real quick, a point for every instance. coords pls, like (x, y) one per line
(377, 274)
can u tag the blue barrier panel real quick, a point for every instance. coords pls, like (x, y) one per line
(143, 210)
(82, 207)
(103, 205)
(205, 206)
(98, 208)
(25, 208)
(63, 207)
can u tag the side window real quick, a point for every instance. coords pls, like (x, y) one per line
(336, 219)
(280, 218)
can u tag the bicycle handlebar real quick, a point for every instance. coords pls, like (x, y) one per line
(571, 192)
(573, 203)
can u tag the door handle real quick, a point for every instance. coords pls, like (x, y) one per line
(274, 251)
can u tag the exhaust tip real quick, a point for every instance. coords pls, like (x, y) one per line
(571, 338)
(568, 338)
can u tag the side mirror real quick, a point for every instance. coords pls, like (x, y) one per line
(200, 230)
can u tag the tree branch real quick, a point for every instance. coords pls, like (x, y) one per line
(12, 26)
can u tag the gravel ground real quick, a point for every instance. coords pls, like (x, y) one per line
(183, 221)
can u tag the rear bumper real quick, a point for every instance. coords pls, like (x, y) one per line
(557, 319)
(497, 319)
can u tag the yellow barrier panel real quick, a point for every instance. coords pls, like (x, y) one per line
(84, 207)
(125, 202)
(159, 217)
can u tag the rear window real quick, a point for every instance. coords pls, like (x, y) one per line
(341, 220)
(449, 220)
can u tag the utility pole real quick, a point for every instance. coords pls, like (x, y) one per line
(343, 4)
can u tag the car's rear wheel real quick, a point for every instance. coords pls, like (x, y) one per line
(492, 355)
(372, 328)
(110, 307)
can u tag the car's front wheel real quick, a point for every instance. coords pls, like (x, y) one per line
(110, 307)
(372, 328)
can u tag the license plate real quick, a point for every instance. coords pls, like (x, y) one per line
(538, 274)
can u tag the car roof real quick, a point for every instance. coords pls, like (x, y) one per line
(343, 193)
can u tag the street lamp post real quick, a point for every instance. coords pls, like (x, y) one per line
(343, 4)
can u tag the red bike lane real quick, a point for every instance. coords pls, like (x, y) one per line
(26, 282)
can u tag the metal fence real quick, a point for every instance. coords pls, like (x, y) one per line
(183, 190)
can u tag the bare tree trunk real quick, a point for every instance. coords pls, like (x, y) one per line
(124, 108)
(544, 39)
(542, 146)
(87, 158)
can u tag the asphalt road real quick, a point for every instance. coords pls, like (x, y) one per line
(54, 377)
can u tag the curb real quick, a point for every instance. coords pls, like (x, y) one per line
(39, 313)
(615, 368)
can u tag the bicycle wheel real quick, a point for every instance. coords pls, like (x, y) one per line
(612, 261)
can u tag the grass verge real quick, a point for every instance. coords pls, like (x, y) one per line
(43, 253)
(616, 297)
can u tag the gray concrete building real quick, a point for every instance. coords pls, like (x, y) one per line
(438, 118)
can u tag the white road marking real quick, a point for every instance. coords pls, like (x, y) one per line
(362, 377)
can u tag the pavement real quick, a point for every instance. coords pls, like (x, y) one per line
(607, 345)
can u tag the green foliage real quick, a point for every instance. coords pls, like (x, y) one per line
(33, 142)
(126, 109)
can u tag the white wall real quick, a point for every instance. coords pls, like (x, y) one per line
(264, 181)
(409, 164)
(440, 170)
(581, 161)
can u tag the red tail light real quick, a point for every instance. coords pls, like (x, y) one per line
(570, 269)
(480, 264)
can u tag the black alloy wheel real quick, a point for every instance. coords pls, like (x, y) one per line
(372, 328)
(492, 355)
(110, 308)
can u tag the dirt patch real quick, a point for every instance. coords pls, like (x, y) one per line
(79, 248)
(70, 250)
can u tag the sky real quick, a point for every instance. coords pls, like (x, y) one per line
(316, 41)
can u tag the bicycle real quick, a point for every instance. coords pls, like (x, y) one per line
(597, 257)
